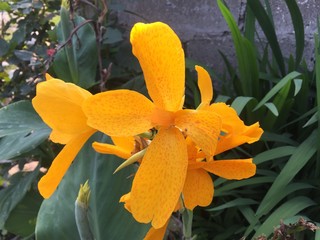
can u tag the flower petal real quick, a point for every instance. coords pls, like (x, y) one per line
(161, 57)
(160, 178)
(50, 181)
(59, 105)
(202, 126)
(236, 169)
(237, 133)
(249, 135)
(205, 86)
(106, 148)
(198, 189)
(119, 112)
(156, 234)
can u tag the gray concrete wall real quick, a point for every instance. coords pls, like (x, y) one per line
(203, 30)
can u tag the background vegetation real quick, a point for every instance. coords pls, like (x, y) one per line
(278, 91)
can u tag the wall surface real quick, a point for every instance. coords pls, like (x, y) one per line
(203, 30)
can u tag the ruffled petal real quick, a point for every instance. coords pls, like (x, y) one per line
(161, 57)
(202, 126)
(119, 112)
(233, 169)
(59, 105)
(249, 135)
(198, 189)
(205, 86)
(50, 181)
(160, 178)
(156, 234)
(236, 132)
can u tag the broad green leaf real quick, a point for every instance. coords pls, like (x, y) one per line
(303, 153)
(286, 210)
(269, 31)
(4, 47)
(10, 196)
(277, 88)
(23, 55)
(77, 61)
(22, 219)
(234, 203)
(298, 27)
(21, 129)
(107, 217)
(19, 117)
(273, 154)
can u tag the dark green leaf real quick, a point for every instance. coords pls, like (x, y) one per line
(4, 47)
(269, 31)
(10, 196)
(298, 159)
(298, 27)
(22, 219)
(234, 203)
(112, 35)
(77, 61)
(23, 55)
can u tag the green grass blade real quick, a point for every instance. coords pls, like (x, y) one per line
(277, 88)
(298, 27)
(269, 31)
(297, 161)
(234, 203)
(273, 154)
(247, 62)
(239, 103)
(286, 210)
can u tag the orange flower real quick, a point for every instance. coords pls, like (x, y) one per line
(160, 178)
(59, 104)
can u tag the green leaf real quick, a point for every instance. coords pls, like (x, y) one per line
(272, 108)
(239, 103)
(76, 62)
(246, 58)
(297, 86)
(4, 47)
(23, 55)
(273, 154)
(277, 88)
(107, 217)
(112, 35)
(298, 27)
(312, 120)
(21, 129)
(10, 196)
(286, 210)
(234, 203)
(298, 159)
(269, 31)
(22, 219)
